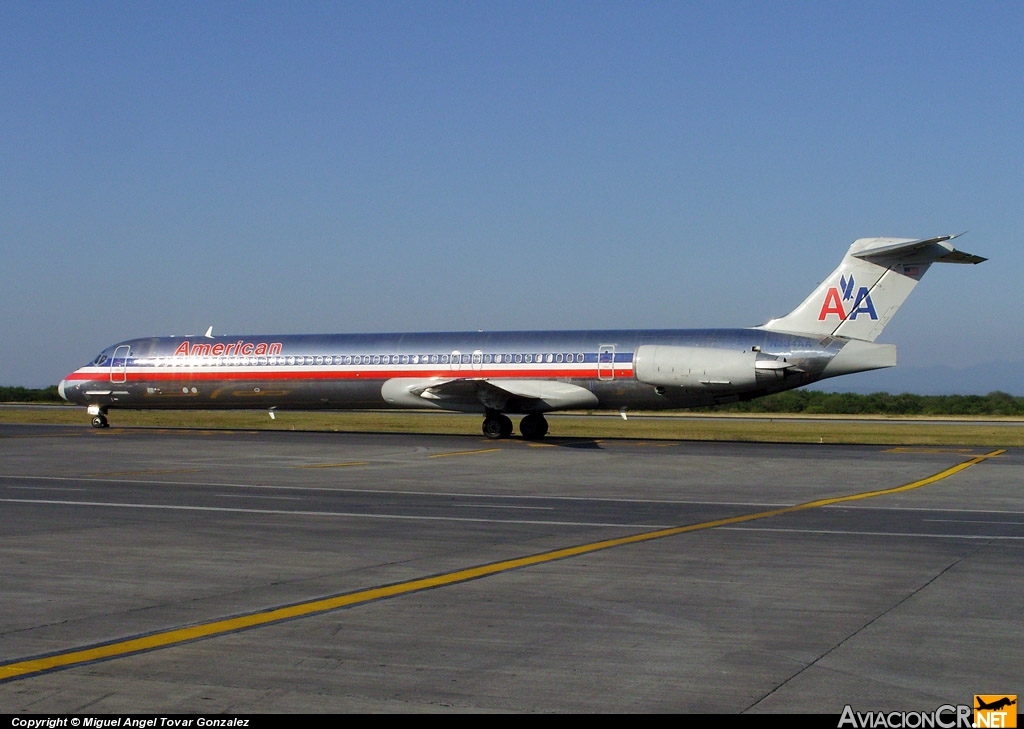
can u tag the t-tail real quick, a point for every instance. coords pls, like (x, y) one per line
(875, 277)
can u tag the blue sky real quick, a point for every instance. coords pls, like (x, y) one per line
(352, 167)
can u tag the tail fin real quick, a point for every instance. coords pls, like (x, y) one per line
(859, 298)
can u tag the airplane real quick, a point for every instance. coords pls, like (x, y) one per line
(996, 705)
(527, 373)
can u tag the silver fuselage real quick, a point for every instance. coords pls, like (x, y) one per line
(604, 369)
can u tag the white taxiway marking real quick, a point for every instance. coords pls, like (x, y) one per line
(334, 514)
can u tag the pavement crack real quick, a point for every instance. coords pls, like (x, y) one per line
(918, 590)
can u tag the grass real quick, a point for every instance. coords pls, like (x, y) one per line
(1000, 432)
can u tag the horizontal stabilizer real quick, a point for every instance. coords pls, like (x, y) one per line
(905, 249)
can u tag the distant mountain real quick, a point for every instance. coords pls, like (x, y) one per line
(935, 380)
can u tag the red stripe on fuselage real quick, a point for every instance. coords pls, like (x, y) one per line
(180, 374)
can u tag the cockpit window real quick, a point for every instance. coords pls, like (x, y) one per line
(100, 360)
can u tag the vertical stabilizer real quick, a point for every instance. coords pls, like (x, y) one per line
(875, 277)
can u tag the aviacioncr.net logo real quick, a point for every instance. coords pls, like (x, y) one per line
(946, 716)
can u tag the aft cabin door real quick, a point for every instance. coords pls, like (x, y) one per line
(606, 362)
(119, 364)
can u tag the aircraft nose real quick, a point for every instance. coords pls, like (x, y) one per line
(60, 390)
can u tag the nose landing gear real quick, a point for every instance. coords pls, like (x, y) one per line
(99, 416)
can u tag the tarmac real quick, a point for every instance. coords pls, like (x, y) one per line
(198, 571)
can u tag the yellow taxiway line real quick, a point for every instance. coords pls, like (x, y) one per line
(175, 636)
(463, 453)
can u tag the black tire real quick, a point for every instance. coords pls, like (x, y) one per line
(99, 422)
(533, 427)
(493, 428)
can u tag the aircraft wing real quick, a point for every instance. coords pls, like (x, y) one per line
(467, 393)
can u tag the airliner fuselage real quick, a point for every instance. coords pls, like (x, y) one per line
(507, 372)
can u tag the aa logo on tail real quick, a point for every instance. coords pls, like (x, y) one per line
(834, 298)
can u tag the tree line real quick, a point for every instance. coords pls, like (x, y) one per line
(811, 402)
(28, 394)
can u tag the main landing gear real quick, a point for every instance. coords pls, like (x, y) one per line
(533, 426)
(498, 425)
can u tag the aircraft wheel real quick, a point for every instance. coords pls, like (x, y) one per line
(533, 427)
(100, 421)
(497, 426)
(492, 428)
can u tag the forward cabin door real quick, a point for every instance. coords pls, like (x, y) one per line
(119, 364)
